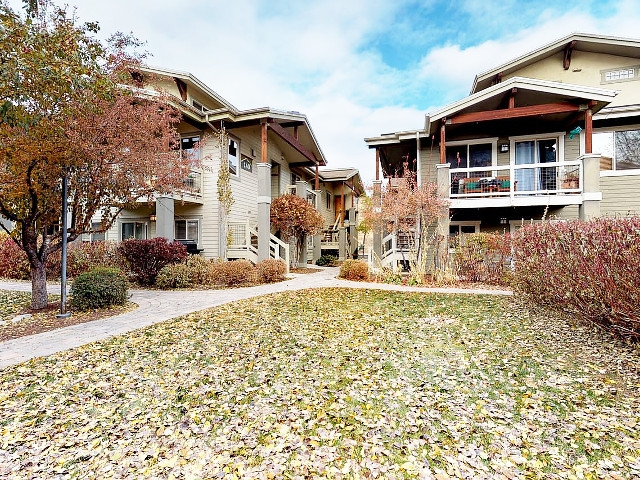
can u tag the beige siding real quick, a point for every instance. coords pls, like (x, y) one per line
(428, 161)
(569, 212)
(620, 195)
(504, 158)
(585, 70)
(245, 186)
(571, 148)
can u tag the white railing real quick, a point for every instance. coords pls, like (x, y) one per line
(244, 244)
(193, 183)
(551, 178)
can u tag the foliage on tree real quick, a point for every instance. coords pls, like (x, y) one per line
(295, 218)
(411, 212)
(225, 195)
(71, 105)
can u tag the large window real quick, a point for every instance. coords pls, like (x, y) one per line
(457, 229)
(234, 156)
(470, 155)
(137, 230)
(96, 236)
(619, 150)
(536, 151)
(186, 230)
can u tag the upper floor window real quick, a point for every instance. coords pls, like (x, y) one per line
(619, 150)
(233, 156)
(470, 155)
(191, 145)
(619, 74)
(328, 201)
(198, 106)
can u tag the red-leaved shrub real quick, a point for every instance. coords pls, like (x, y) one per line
(271, 270)
(484, 257)
(13, 261)
(591, 269)
(146, 258)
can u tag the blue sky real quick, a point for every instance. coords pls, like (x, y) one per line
(357, 68)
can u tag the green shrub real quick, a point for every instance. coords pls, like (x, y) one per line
(327, 261)
(354, 270)
(99, 288)
(234, 273)
(177, 275)
(271, 270)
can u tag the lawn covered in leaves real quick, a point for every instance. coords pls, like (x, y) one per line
(12, 303)
(331, 383)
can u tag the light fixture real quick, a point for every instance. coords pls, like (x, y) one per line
(504, 147)
(503, 220)
(153, 217)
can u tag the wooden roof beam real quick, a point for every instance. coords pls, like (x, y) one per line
(516, 112)
(291, 140)
(568, 50)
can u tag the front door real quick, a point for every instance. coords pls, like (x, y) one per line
(338, 208)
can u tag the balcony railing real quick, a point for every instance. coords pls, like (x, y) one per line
(193, 183)
(551, 178)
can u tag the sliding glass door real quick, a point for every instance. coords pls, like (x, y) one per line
(533, 152)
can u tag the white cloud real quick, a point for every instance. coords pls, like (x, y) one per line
(315, 57)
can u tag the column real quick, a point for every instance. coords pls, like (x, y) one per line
(377, 231)
(591, 194)
(443, 179)
(264, 210)
(165, 218)
(353, 233)
(342, 243)
(317, 239)
(301, 191)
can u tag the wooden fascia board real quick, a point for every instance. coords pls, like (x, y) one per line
(290, 139)
(517, 112)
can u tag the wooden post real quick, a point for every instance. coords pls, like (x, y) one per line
(295, 132)
(317, 177)
(343, 206)
(377, 164)
(264, 156)
(443, 156)
(512, 98)
(588, 130)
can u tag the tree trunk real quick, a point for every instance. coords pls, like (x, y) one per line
(38, 286)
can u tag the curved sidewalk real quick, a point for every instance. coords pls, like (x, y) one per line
(155, 306)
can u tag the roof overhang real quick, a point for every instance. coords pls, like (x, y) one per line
(528, 88)
(626, 47)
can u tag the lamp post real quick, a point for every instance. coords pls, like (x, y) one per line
(63, 264)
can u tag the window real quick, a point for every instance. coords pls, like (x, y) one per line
(96, 236)
(620, 150)
(619, 74)
(186, 230)
(294, 178)
(530, 151)
(191, 146)
(199, 106)
(470, 155)
(233, 156)
(328, 201)
(456, 229)
(247, 163)
(137, 230)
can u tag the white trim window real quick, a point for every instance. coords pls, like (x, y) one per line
(459, 228)
(190, 145)
(478, 153)
(623, 74)
(133, 229)
(187, 229)
(97, 236)
(233, 155)
(619, 149)
(528, 156)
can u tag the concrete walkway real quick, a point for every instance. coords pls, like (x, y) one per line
(155, 306)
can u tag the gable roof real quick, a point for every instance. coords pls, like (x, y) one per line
(601, 95)
(586, 42)
(228, 112)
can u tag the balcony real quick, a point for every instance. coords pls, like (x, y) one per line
(551, 183)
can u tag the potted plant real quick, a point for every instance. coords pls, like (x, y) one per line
(571, 181)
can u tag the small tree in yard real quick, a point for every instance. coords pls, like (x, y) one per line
(72, 106)
(295, 218)
(412, 212)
